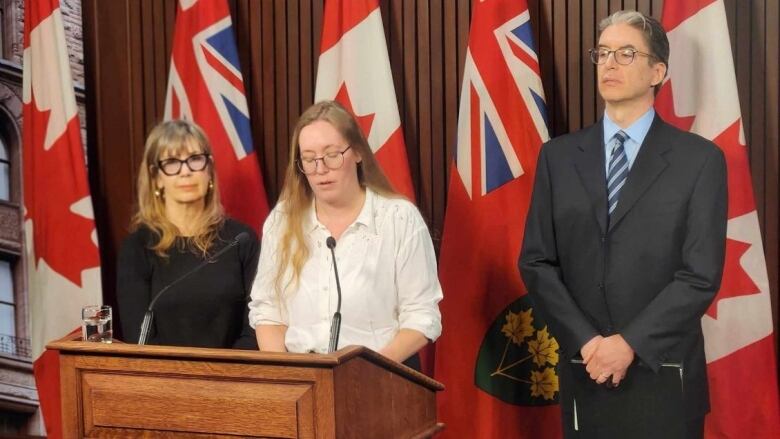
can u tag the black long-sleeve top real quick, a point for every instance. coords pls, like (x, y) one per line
(207, 309)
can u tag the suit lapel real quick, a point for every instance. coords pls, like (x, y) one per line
(648, 166)
(590, 167)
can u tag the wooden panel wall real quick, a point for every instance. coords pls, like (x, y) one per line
(127, 44)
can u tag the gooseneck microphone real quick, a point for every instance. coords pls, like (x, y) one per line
(149, 315)
(335, 326)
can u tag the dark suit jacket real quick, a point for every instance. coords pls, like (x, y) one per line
(649, 274)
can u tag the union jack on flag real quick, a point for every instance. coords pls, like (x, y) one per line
(205, 85)
(489, 137)
(501, 127)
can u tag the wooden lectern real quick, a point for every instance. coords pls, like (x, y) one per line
(123, 390)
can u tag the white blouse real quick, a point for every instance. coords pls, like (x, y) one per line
(387, 270)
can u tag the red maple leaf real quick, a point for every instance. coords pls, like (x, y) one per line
(55, 180)
(365, 121)
(736, 281)
(741, 199)
(664, 105)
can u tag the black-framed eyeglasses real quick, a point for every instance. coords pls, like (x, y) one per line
(332, 160)
(623, 56)
(172, 166)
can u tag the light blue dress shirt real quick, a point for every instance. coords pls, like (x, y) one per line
(636, 135)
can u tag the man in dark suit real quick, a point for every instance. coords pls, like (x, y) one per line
(624, 247)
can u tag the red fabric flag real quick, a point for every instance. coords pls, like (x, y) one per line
(63, 260)
(354, 69)
(205, 86)
(496, 357)
(700, 95)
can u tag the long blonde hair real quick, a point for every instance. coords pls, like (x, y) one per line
(296, 195)
(174, 136)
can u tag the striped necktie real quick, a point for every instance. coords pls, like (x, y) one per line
(618, 171)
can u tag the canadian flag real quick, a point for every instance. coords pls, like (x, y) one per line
(354, 69)
(63, 262)
(700, 95)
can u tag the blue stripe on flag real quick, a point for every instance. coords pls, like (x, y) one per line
(525, 34)
(241, 122)
(225, 44)
(496, 166)
(542, 106)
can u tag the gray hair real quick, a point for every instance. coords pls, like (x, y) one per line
(652, 31)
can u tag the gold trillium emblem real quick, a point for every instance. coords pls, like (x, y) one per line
(542, 350)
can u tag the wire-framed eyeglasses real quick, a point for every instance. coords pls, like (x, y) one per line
(172, 166)
(331, 160)
(623, 56)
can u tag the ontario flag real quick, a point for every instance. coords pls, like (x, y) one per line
(63, 263)
(205, 86)
(500, 363)
(354, 69)
(700, 95)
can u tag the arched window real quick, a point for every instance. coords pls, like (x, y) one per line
(7, 307)
(7, 300)
(5, 172)
(14, 334)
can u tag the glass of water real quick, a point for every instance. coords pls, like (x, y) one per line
(96, 323)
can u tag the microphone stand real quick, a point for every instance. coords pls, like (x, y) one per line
(146, 324)
(335, 327)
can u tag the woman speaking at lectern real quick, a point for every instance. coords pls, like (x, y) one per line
(335, 195)
(180, 224)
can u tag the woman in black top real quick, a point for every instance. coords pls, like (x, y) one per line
(179, 224)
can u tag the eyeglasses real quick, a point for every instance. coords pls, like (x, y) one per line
(332, 160)
(172, 166)
(624, 56)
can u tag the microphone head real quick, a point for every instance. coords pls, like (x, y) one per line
(242, 238)
(330, 242)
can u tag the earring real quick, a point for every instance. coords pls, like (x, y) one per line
(211, 185)
(157, 193)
